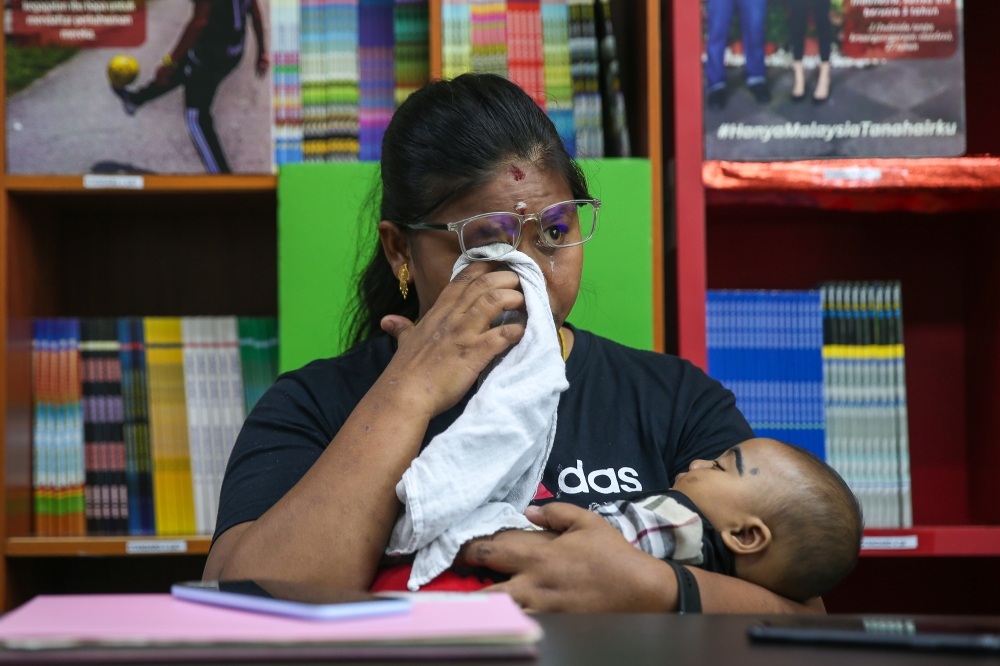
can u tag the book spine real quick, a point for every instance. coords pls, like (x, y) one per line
(558, 76)
(341, 75)
(376, 72)
(616, 139)
(144, 451)
(194, 346)
(584, 69)
(411, 36)
(456, 38)
(525, 58)
(129, 419)
(488, 22)
(114, 424)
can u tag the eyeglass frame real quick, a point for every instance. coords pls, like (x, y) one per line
(524, 218)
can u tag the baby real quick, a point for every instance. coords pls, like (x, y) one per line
(764, 511)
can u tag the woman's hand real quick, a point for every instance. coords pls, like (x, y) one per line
(440, 359)
(589, 567)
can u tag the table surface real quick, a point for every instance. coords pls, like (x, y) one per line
(678, 640)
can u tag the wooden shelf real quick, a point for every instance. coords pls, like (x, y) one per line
(959, 541)
(117, 545)
(920, 185)
(150, 183)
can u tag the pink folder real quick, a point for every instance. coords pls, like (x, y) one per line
(158, 627)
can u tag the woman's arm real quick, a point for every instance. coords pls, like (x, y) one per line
(589, 567)
(332, 526)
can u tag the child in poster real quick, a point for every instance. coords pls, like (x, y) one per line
(210, 47)
(211, 116)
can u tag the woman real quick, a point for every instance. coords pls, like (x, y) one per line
(309, 494)
(798, 20)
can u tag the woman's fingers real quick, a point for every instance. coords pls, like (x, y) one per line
(490, 281)
(499, 339)
(397, 326)
(561, 517)
(489, 306)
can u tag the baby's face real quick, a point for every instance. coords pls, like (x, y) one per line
(735, 483)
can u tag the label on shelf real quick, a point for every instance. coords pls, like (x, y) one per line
(864, 174)
(102, 182)
(905, 542)
(155, 547)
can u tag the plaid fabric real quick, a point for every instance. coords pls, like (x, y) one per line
(657, 525)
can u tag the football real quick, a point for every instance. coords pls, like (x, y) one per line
(122, 70)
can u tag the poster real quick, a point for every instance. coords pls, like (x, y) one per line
(813, 79)
(200, 102)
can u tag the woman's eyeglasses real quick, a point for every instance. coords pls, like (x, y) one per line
(563, 224)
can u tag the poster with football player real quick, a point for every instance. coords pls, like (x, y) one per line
(809, 79)
(137, 87)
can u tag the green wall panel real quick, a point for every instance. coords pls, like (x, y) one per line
(318, 230)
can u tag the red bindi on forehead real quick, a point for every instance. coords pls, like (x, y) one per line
(516, 172)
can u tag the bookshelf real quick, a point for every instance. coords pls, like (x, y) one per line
(187, 245)
(98, 546)
(930, 223)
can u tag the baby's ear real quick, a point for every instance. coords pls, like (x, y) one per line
(752, 537)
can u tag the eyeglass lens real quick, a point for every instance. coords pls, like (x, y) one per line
(564, 224)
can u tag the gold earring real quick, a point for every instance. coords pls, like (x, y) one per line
(404, 281)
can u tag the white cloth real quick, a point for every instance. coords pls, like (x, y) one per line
(477, 477)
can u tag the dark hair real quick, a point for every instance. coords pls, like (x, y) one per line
(823, 523)
(445, 139)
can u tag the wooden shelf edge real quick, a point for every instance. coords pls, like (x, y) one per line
(151, 183)
(943, 541)
(955, 173)
(116, 545)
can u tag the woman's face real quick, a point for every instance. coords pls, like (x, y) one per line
(432, 254)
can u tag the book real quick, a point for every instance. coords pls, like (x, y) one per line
(103, 418)
(525, 58)
(558, 77)
(487, 33)
(584, 69)
(286, 93)
(888, 77)
(377, 75)
(411, 39)
(57, 429)
(766, 347)
(138, 473)
(157, 627)
(173, 493)
(143, 414)
(823, 369)
(616, 139)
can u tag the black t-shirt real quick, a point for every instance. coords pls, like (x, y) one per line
(630, 420)
(227, 25)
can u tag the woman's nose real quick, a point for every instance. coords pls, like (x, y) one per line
(700, 464)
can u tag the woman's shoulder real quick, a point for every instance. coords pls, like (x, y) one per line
(344, 377)
(629, 361)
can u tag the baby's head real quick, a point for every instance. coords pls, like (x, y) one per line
(791, 521)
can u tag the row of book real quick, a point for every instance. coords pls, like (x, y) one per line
(823, 369)
(341, 67)
(562, 52)
(135, 418)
